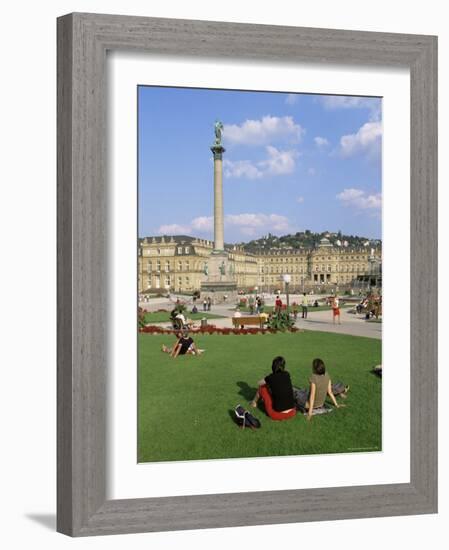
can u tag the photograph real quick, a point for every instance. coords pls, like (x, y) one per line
(259, 274)
(222, 199)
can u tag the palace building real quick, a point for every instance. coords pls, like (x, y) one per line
(180, 263)
(184, 264)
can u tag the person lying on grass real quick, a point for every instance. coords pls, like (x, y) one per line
(276, 392)
(184, 346)
(320, 387)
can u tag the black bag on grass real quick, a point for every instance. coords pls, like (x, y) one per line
(245, 419)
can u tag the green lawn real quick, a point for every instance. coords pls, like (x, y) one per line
(162, 316)
(186, 404)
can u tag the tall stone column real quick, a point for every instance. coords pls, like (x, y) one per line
(219, 275)
(218, 151)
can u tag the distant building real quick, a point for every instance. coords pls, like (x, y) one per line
(179, 263)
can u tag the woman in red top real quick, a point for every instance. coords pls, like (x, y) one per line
(278, 305)
(336, 310)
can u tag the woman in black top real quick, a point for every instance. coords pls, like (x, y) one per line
(184, 346)
(276, 391)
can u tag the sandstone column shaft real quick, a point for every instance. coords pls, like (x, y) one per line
(218, 205)
(218, 151)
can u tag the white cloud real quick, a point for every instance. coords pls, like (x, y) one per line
(173, 229)
(277, 163)
(373, 104)
(299, 200)
(291, 99)
(264, 131)
(273, 222)
(320, 141)
(367, 139)
(311, 171)
(359, 199)
(241, 169)
(248, 224)
(203, 223)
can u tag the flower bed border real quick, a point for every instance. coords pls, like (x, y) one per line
(212, 329)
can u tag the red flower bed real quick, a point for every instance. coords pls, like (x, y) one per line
(208, 329)
(151, 329)
(212, 329)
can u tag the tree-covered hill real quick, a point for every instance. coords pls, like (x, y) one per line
(307, 239)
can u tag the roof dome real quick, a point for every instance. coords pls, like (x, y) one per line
(325, 242)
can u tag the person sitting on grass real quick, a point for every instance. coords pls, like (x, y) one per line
(276, 392)
(184, 346)
(320, 387)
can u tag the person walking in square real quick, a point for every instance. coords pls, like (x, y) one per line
(295, 310)
(336, 310)
(278, 304)
(304, 306)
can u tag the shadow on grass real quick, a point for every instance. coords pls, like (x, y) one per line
(377, 371)
(246, 391)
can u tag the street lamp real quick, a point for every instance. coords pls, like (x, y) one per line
(287, 278)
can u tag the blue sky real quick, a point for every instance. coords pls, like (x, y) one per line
(292, 162)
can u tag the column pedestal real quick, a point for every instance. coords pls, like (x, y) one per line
(219, 281)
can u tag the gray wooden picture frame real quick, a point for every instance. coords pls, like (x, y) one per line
(83, 40)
